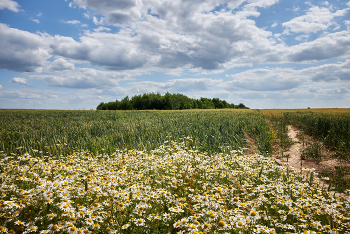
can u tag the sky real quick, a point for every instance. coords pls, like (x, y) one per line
(75, 54)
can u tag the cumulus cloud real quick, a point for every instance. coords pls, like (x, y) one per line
(0, 86)
(21, 50)
(9, 4)
(331, 72)
(19, 80)
(19, 94)
(60, 65)
(175, 85)
(265, 80)
(99, 29)
(173, 37)
(36, 21)
(98, 22)
(64, 74)
(341, 90)
(72, 22)
(101, 49)
(316, 19)
(278, 79)
(329, 46)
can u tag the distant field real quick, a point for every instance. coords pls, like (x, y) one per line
(318, 110)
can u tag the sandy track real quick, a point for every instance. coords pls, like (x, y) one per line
(294, 159)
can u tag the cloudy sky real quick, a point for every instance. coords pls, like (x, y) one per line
(74, 54)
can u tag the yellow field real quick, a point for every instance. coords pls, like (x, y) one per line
(316, 110)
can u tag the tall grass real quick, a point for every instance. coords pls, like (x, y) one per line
(57, 132)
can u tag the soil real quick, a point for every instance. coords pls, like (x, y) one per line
(292, 158)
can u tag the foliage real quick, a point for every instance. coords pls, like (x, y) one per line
(149, 101)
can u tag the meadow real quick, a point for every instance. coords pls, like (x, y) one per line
(154, 172)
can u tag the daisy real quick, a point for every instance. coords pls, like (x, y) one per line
(89, 221)
(72, 230)
(222, 224)
(240, 223)
(32, 228)
(177, 224)
(254, 215)
(125, 226)
(51, 216)
(139, 222)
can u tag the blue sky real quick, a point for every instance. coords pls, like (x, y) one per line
(74, 54)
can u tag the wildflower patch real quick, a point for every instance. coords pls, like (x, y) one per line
(170, 189)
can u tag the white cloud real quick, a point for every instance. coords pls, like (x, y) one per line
(40, 14)
(19, 80)
(60, 65)
(72, 22)
(340, 90)
(61, 73)
(21, 50)
(0, 86)
(99, 29)
(9, 4)
(302, 37)
(275, 79)
(265, 80)
(331, 72)
(87, 15)
(295, 9)
(347, 24)
(274, 25)
(98, 22)
(36, 21)
(316, 19)
(329, 46)
(175, 85)
(171, 37)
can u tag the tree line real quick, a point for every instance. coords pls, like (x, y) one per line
(150, 101)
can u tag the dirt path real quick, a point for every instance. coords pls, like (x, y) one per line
(294, 159)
